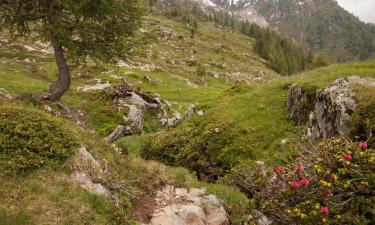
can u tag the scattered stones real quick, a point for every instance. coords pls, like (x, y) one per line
(136, 103)
(100, 85)
(193, 110)
(116, 77)
(180, 206)
(250, 77)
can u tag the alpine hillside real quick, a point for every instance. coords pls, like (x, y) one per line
(320, 25)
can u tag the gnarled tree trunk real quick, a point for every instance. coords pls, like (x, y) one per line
(59, 87)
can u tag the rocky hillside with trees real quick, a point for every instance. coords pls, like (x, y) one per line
(320, 25)
(176, 115)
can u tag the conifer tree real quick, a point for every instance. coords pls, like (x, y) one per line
(76, 29)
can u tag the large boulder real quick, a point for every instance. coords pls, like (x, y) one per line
(180, 206)
(326, 111)
(332, 110)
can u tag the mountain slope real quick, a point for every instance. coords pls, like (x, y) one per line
(247, 123)
(321, 25)
(48, 194)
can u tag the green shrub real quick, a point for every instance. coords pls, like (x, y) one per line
(198, 147)
(362, 121)
(29, 139)
(331, 184)
(201, 71)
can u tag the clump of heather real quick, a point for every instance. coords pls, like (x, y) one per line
(333, 183)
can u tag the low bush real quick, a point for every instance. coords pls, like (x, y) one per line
(331, 184)
(30, 138)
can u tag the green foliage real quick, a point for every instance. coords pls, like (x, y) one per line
(201, 71)
(320, 60)
(96, 29)
(362, 121)
(284, 55)
(30, 139)
(331, 184)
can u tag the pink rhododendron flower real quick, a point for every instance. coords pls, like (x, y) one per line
(363, 145)
(300, 168)
(294, 184)
(347, 157)
(324, 210)
(279, 169)
(304, 182)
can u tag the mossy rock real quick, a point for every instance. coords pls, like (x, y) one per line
(30, 139)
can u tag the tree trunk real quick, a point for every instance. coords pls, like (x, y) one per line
(58, 88)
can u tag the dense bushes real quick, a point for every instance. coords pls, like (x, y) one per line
(30, 138)
(331, 184)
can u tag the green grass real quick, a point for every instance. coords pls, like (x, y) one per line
(243, 123)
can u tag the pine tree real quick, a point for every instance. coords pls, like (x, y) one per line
(76, 29)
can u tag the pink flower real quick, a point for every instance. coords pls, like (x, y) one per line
(324, 210)
(347, 157)
(300, 168)
(279, 169)
(363, 145)
(304, 182)
(294, 184)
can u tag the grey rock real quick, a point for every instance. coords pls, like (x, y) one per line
(85, 168)
(180, 206)
(332, 110)
(119, 132)
(100, 85)
(259, 218)
(327, 111)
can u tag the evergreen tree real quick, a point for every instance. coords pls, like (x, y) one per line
(76, 29)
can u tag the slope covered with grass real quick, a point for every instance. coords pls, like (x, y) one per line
(247, 123)
(46, 193)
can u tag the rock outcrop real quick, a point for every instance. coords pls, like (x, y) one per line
(332, 109)
(135, 103)
(86, 171)
(193, 110)
(326, 111)
(300, 103)
(180, 206)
